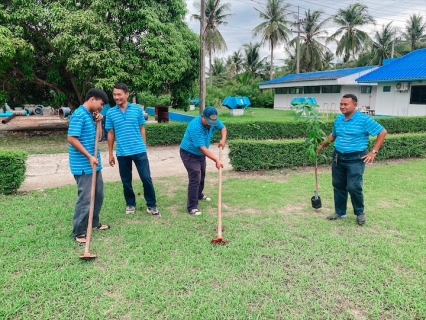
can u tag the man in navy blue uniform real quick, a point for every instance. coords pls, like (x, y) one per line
(351, 132)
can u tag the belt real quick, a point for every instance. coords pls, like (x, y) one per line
(349, 153)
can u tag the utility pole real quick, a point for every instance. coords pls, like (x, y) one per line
(393, 46)
(202, 56)
(298, 22)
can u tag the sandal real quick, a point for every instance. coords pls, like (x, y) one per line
(81, 238)
(102, 227)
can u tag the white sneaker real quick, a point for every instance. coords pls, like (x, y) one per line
(130, 209)
(206, 198)
(195, 212)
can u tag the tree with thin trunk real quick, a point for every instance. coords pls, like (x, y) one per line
(351, 39)
(252, 61)
(215, 15)
(382, 44)
(415, 32)
(274, 28)
(237, 62)
(312, 36)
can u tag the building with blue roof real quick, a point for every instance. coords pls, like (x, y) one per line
(327, 87)
(401, 85)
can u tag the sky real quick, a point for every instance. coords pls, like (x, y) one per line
(240, 26)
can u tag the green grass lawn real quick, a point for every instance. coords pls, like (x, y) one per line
(283, 259)
(250, 114)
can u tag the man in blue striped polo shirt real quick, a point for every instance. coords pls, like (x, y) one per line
(126, 124)
(351, 132)
(194, 150)
(81, 138)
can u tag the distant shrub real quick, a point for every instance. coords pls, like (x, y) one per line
(251, 155)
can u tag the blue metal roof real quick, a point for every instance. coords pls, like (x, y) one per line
(411, 67)
(318, 75)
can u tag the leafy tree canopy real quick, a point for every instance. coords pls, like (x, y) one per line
(82, 44)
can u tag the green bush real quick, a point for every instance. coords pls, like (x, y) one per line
(12, 173)
(403, 124)
(165, 134)
(260, 155)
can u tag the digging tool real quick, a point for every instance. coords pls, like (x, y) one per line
(87, 255)
(218, 239)
(316, 200)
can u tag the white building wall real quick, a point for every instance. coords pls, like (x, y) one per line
(397, 103)
(329, 102)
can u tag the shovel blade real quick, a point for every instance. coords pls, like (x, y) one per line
(218, 240)
(88, 256)
(316, 203)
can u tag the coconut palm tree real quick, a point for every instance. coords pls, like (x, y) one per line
(216, 15)
(351, 38)
(274, 28)
(382, 44)
(380, 49)
(252, 61)
(237, 61)
(415, 31)
(312, 52)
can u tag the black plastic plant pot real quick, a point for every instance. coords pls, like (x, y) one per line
(316, 203)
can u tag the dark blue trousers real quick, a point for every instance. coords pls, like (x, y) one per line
(196, 168)
(347, 170)
(142, 165)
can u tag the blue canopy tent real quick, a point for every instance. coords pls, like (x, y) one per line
(300, 100)
(194, 101)
(236, 102)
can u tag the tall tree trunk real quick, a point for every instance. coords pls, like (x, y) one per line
(202, 56)
(210, 67)
(271, 72)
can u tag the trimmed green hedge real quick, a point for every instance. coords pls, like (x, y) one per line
(12, 173)
(172, 133)
(261, 155)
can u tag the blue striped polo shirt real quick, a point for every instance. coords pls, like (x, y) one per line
(83, 127)
(352, 135)
(126, 126)
(196, 136)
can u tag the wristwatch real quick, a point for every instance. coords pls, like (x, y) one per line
(374, 151)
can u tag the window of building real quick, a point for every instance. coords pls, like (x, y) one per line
(281, 90)
(418, 95)
(366, 89)
(312, 89)
(295, 90)
(330, 89)
(386, 88)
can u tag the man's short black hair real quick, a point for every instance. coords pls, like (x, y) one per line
(121, 86)
(351, 96)
(97, 94)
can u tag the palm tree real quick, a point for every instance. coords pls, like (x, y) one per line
(252, 61)
(352, 39)
(216, 15)
(382, 44)
(312, 50)
(380, 49)
(237, 61)
(274, 28)
(415, 31)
